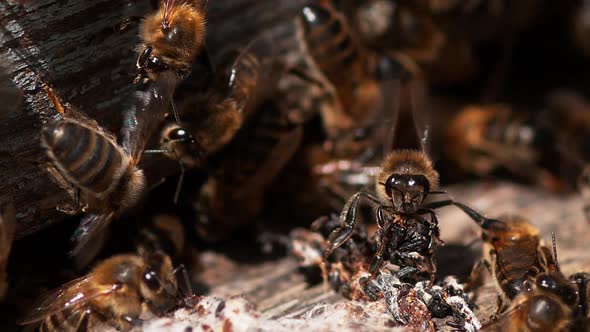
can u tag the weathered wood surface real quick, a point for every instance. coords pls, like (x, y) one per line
(73, 45)
(279, 291)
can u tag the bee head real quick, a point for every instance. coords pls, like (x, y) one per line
(407, 191)
(556, 283)
(158, 284)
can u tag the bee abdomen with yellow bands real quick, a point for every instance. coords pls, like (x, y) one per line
(84, 156)
(330, 41)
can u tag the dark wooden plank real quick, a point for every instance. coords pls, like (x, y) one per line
(72, 44)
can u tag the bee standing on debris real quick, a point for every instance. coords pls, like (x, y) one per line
(546, 304)
(513, 252)
(405, 180)
(117, 291)
(171, 38)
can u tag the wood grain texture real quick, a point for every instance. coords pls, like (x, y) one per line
(73, 45)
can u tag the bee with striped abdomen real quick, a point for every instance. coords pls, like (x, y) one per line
(101, 176)
(513, 252)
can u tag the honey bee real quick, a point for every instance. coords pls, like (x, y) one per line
(513, 252)
(548, 302)
(177, 143)
(7, 230)
(545, 304)
(171, 38)
(331, 44)
(101, 176)
(405, 180)
(213, 118)
(485, 138)
(116, 291)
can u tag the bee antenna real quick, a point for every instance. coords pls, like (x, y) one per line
(438, 192)
(555, 250)
(175, 112)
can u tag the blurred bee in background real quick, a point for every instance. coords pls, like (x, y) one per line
(171, 38)
(567, 116)
(482, 139)
(331, 44)
(7, 232)
(213, 118)
(101, 176)
(512, 252)
(117, 291)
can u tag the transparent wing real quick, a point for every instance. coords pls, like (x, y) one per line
(70, 296)
(142, 118)
(421, 114)
(90, 237)
(388, 77)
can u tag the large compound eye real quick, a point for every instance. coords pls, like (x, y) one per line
(151, 280)
(543, 313)
(179, 134)
(154, 64)
(563, 289)
(144, 57)
(547, 282)
(389, 184)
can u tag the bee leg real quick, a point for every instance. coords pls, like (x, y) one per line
(377, 261)
(68, 208)
(582, 281)
(347, 221)
(433, 227)
(431, 268)
(476, 276)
